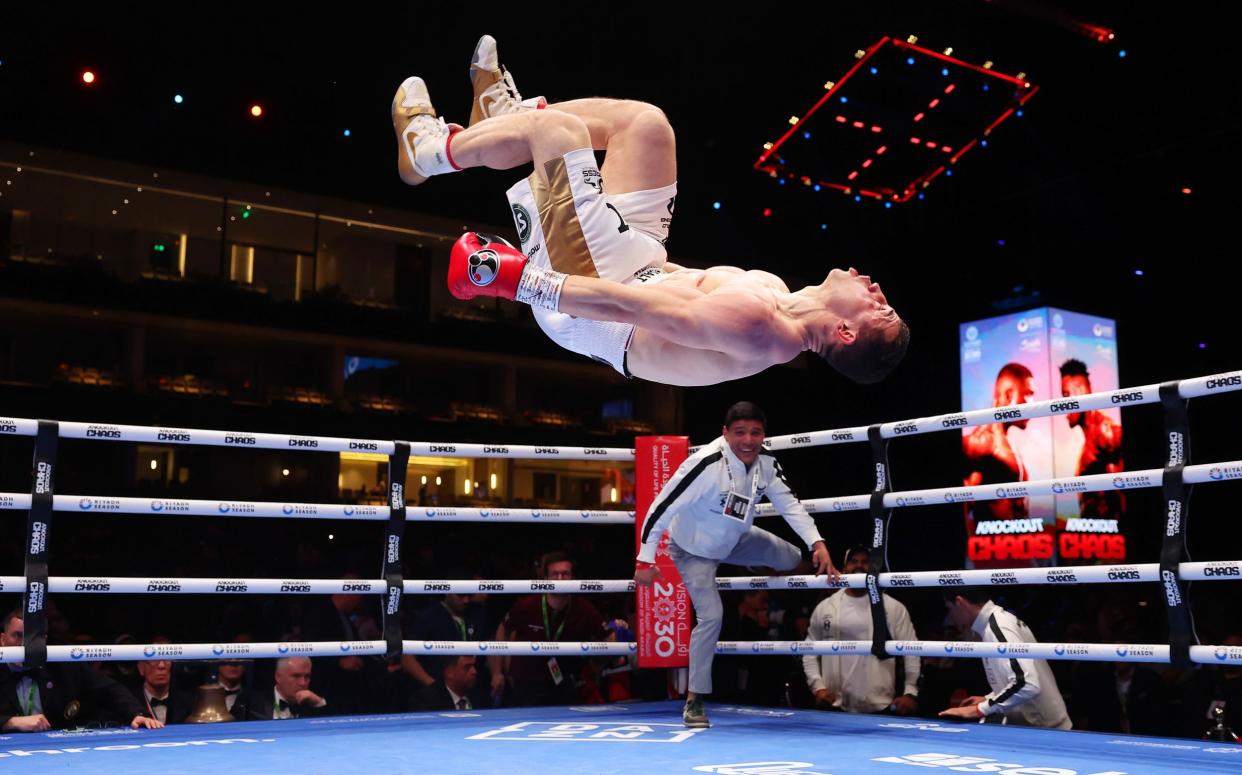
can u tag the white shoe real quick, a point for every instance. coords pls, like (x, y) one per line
(418, 131)
(494, 91)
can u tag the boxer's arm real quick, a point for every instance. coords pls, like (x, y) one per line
(723, 321)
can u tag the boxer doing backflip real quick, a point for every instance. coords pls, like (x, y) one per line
(592, 262)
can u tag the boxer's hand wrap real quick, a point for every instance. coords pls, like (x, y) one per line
(485, 265)
(541, 287)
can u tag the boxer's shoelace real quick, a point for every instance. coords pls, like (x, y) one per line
(423, 127)
(501, 97)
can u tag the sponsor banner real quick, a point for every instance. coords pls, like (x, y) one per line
(1076, 574)
(1216, 655)
(576, 516)
(518, 451)
(218, 508)
(957, 762)
(138, 652)
(38, 529)
(1089, 652)
(1043, 383)
(833, 647)
(1148, 478)
(1197, 474)
(80, 749)
(515, 586)
(1204, 386)
(852, 581)
(826, 505)
(663, 610)
(198, 586)
(760, 712)
(9, 654)
(1213, 472)
(926, 726)
(1148, 394)
(213, 438)
(15, 501)
(816, 438)
(17, 426)
(518, 648)
(1221, 570)
(597, 732)
(990, 492)
(245, 439)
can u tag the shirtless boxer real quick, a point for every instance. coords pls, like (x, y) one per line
(592, 262)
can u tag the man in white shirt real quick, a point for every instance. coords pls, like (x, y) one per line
(860, 684)
(1024, 691)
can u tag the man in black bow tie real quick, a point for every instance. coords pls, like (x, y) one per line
(291, 697)
(231, 676)
(160, 700)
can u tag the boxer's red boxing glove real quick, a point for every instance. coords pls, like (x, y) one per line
(484, 265)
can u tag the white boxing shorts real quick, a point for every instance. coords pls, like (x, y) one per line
(571, 226)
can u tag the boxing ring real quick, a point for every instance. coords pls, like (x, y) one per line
(641, 737)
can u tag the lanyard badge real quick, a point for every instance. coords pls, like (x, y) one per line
(735, 504)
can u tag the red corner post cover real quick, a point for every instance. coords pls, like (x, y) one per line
(663, 609)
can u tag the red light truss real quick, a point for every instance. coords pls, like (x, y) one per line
(949, 119)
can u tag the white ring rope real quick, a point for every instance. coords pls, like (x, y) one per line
(213, 586)
(1148, 394)
(13, 426)
(1220, 570)
(1192, 388)
(1095, 652)
(1127, 480)
(271, 509)
(1188, 388)
(1087, 652)
(231, 651)
(1131, 480)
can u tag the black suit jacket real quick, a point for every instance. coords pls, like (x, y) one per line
(241, 706)
(436, 697)
(1147, 702)
(261, 704)
(180, 705)
(432, 697)
(349, 691)
(72, 695)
